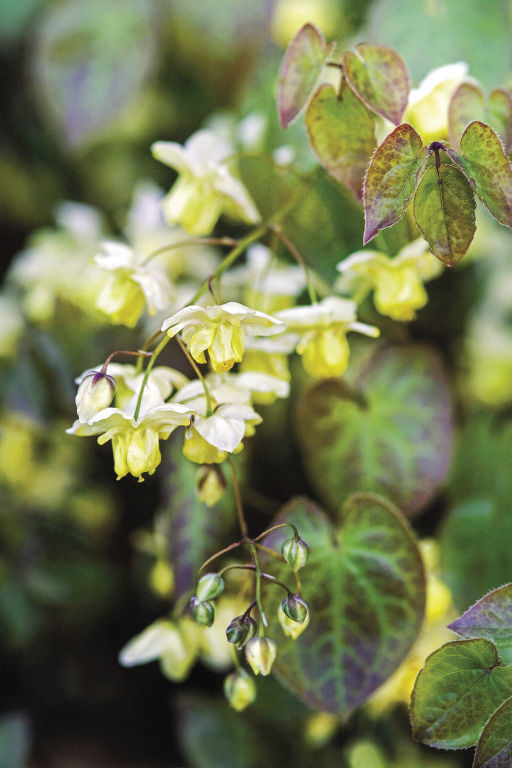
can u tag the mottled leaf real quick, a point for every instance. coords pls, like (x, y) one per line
(342, 134)
(193, 531)
(378, 76)
(467, 104)
(366, 590)
(392, 435)
(391, 179)
(444, 209)
(82, 65)
(458, 689)
(494, 749)
(301, 68)
(484, 161)
(491, 618)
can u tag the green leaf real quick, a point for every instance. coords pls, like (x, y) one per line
(444, 209)
(467, 104)
(392, 434)
(342, 134)
(484, 161)
(491, 618)
(378, 76)
(366, 590)
(193, 531)
(91, 61)
(494, 749)
(300, 70)
(456, 692)
(391, 179)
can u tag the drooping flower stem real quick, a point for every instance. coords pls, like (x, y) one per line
(151, 363)
(219, 553)
(298, 258)
(198, 374)
(238, 501)
(263, 619)
(227, 241)
(140, 353)
(275, 527)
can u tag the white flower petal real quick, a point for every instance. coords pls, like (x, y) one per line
(223, 433)
(115, 256)
(171, 153)
(157, 639)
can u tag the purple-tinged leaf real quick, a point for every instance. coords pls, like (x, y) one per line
(300, 70)
(494, 748)
(342, 134)
(444, 209)
(485, 163)
(491, 618)
(391, 179)
(499, 111)
(392, 434)
(378, 76)
(456, 692)
(366, 591)
(467, 104)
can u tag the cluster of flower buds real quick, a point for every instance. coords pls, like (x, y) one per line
(209, 586)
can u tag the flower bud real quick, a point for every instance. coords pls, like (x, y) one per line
(240, 690)
(203, 613)
(295, 552)
(295, 607)
(240, 631)
(292, 628)
(95, 392)
(211, 484)
(260, 653)
(209, 586)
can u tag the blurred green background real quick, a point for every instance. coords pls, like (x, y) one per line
(86, 88)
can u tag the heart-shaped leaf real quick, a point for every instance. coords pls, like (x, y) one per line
(192, 530)
(366, 591)
(301, 68)
(378, 76)
(494, 749)
(484, 161)
(491, 618)
(393, 436)
(458, 689)
(444, 209)
(391, 179)
(342, 134)
(468, 105)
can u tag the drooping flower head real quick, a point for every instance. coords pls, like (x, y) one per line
(219, 329)
(397, 283)
(205, 188)
(321, 330)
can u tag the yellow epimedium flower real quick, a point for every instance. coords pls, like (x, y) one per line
(135, 443)
(321, 330)
(175, 644)
(205, 188)
(397, 282)
(131, 284)
(161, 383)
(220, 330)
(427, 110)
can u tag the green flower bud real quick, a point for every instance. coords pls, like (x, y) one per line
(209, 586)
(240, 690)
(295, 552)
(211, 484)
(260, 653)
(295, 608)
(203, 613)
(292, 628)
(240, 631)
(95, 392)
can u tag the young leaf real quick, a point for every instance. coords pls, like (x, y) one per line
(444, 209)
(378, 76)
(499, 112)
(491, 618)
(366, 591)
(467, 104)
(494, 749)
(342, 134)
(391, 179)
(458, 689)
(300, 70)
(393, 435)
(484, 161)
